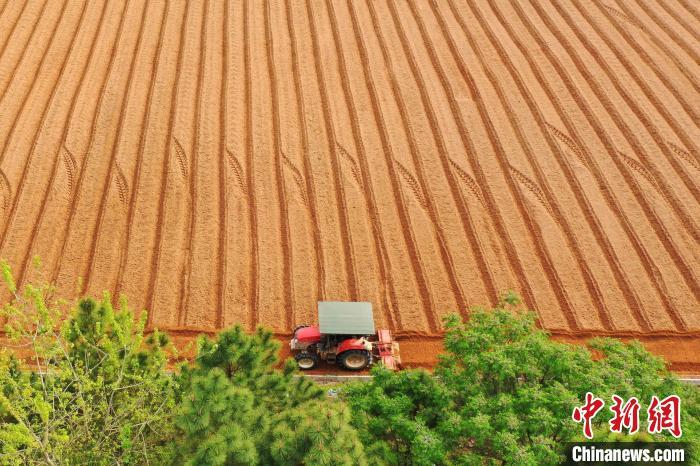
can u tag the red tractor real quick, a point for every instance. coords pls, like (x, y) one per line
(345, 335)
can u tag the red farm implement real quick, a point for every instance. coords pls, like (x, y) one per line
(345, 336)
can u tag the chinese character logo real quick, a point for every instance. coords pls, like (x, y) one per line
(662, 415)
(587, 412)
(624, 415)
(665, 415)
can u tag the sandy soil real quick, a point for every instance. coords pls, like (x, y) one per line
(225, 162)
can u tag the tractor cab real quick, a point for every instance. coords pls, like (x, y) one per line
(345, 335)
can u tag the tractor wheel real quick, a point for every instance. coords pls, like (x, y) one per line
(355, 360)
(306, 360)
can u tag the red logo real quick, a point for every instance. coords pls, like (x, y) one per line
(665, 415)
(587, 412)
(662, 415)
(625, 415)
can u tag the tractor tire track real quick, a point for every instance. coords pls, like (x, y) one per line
(71, 165)
(122, 185)
(427, 196)
(181, 157)
(354, 170)
(684, 155)
(281, 160)
(171, 146)
(19, 62)
(185, 280)
(361, 173)
(548, 199)
(650, 214)
(418, 268)
(5, 191)
(468, 182)
(534, 232)
(587, 159)
(23, 268)
(237, 172)
(643, 172)
(308, 177)
(414, 186)
(622, 16)
(298, 179)
(345, 235)
(566, 140)
(628, 133)
(659, 44)
(536, 191)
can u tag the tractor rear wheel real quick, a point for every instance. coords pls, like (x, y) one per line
(355, 360)
(306, 360)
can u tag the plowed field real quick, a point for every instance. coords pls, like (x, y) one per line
(222, 161)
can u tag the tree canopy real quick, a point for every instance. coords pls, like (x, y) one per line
(82, 382)
(503, 393)
(236, 407)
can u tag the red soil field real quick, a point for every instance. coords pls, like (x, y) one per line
(224, 162)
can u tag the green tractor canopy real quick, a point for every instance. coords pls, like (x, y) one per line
(345, 318)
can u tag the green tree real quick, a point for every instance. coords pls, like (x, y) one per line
(236, 407)
(503, 393)
(403, 417)
(87, 389)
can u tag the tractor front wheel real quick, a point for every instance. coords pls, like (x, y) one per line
(355, 360)
(306, 360)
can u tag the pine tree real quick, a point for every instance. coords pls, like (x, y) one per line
(218, 421)
(237, 407)
(90, 387)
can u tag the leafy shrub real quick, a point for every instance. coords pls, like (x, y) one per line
(503, 393)
(97, 391)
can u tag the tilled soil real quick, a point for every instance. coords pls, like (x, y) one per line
(224, 162)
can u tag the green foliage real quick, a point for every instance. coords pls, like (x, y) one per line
(237, 408)
(403, 418)
(503, 393)
(97, 391)
(81, 383)
(316, 432)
